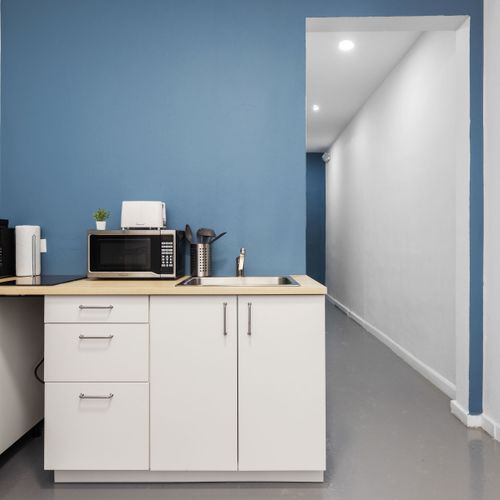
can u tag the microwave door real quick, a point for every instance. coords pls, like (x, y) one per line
(137, 256)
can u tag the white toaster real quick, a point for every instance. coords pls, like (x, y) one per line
(143, 215)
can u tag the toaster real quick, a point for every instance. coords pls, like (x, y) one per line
(143, 215)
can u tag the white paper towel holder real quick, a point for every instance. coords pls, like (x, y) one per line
(28, 261)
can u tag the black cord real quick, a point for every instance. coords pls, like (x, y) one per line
(36, 372)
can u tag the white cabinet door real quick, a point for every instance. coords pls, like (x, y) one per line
(281, 383)
(193, 383)
(96, 426)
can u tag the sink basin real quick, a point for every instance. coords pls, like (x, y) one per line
(241, 281)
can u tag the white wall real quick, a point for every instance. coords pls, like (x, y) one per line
(391, 209)
(491, 401)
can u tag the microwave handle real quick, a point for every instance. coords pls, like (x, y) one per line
(164, 211)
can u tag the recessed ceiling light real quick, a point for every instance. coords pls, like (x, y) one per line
(315, 107)
(346, 45)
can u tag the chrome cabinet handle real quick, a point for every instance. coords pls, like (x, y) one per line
(88, 337)
(225, 318)
(95, 307)
(249, 319)
(87, 396)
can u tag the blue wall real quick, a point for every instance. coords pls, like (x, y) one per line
(198, 103)
(172, 100)
(315, 221)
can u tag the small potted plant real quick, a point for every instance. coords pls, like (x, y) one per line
(101, 216)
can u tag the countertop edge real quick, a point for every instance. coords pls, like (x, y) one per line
(308, 286)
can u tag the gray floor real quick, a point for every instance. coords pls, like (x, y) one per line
(390, 436)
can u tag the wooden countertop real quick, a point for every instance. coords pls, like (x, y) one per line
(85, 286)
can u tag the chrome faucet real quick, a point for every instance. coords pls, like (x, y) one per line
(240, 263)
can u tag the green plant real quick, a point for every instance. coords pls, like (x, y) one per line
(101, 214)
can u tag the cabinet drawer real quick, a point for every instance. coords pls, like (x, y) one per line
(96, 352)
(97, 434)
(97, 309)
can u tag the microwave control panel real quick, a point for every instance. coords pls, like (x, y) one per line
(167, 254)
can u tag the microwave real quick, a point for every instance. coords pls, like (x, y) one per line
(152, 253)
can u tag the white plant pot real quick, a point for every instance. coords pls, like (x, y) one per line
(100, 225)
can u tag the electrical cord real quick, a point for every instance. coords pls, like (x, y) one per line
(35, 371)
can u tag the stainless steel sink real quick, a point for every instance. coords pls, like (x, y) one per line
(241, 281)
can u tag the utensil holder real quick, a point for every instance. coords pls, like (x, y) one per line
(201, 260)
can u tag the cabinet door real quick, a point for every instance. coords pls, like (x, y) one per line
(193, 383)
(281, 383)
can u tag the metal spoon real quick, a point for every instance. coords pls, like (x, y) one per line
(204, 234)
(217, 237)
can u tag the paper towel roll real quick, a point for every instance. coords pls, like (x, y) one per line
(28, 251)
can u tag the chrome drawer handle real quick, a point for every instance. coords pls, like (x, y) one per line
(86, 396)
(95, 307)
(249, 319)
(102, 337)
(225, 318)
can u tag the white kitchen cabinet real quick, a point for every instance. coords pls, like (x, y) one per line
(204, 388)
(96, 390)
(281, 383)
(193, 381)
(97, 426)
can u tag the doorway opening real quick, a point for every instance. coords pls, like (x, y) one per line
(388, 111)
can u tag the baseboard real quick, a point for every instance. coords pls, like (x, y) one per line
(146, 476)
(332, 301)
(426, 371)
(491, 427)
(469, 420)
(484, 421)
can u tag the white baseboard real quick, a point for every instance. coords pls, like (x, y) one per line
(464, 417)
(426, 371)
(491, 427)
(484, 421)
(147, 476)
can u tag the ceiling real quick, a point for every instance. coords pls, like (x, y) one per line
(341, 82)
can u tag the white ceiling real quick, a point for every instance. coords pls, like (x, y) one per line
(341, 82)
(381, 23)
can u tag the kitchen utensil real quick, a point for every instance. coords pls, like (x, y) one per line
(213, 240)
(189, 234)
(201, 259)
(204, 234)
